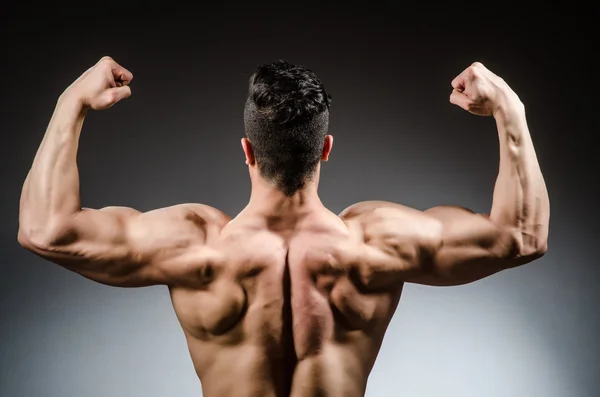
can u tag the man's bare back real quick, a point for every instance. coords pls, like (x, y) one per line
(287, 298)
(282, 307)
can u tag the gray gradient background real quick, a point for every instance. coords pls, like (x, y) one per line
(528, 332)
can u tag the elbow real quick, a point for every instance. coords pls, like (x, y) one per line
(534, 244)
(33, 239)
(40, 238)
(519, 248)
(531, 249)
(29, 234)
(542, 248)
(535, 251)
(23, 238)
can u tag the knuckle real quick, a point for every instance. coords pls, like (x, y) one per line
(106, 62)
(112, 95)
(473, 72)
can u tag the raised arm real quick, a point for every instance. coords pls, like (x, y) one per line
(116, 246)
(472, 246)
(451, 245)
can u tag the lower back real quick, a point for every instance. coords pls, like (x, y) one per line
(332, 373)
(245, 371)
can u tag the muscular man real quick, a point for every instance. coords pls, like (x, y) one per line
(287, 298)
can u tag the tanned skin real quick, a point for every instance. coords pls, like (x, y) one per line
(287, 298)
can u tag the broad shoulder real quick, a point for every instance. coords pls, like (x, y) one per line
(383, 220)
(186, 216)
(209, 218)
(203, 212)
(206, 212)
(373, 209)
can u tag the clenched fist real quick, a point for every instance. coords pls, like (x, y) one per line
(102, 85)
(481, 92)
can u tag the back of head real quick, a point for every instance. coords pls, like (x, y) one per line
(286, 119)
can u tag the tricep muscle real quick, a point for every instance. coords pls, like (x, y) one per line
(468, 247)
(443, 246)
(120, 246)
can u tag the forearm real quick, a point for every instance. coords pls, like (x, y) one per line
(520, 197)
(50, 193)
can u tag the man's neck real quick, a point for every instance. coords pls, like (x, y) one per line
(267, 200)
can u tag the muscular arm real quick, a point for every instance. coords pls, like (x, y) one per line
(116, 246)
(472, 246)
(451, 245)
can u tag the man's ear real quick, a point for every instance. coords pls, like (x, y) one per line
(327, 145)
(248, 152)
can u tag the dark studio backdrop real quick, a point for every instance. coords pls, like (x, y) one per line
(528, 332)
